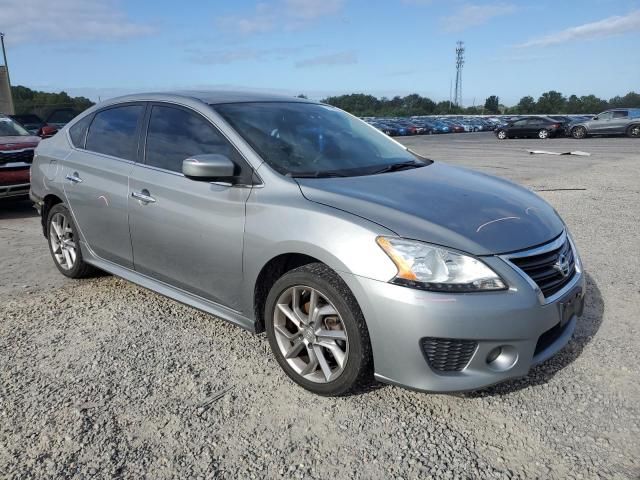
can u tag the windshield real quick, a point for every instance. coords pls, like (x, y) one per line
(312, 140)
(9, 128)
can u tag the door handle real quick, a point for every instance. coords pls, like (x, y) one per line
(143, 196)
(74, 178)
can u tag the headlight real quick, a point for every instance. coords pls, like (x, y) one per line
(429, 267)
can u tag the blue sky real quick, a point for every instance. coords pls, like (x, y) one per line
(103, 48)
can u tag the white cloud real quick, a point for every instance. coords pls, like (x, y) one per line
(470, 15)
(607, 27)
(342, 58)
(284, 14)
(31, 21)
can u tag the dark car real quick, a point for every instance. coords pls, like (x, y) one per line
(59, 117)
(16, 154)
(537, 127)
(30, 121)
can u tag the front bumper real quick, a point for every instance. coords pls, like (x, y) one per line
(517, 320)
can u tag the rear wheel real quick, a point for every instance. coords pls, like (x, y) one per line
(317, 332)
(578, 132)
(633, 131)
(502, 134)
(543, 133)
(64, 243)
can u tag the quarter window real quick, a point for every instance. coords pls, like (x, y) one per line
(175, 134)
(113, 131)
(78, 132)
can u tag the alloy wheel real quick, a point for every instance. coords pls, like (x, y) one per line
(62, 241)
(578, 132)
(635, 131)
(543, 134)
(310, 334)
(502, 134)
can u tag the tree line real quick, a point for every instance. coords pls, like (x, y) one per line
(26, 100)
(549, 102)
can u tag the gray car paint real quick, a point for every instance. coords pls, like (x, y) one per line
(205, 244)
(446, 205)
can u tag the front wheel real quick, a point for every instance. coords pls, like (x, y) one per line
(633, 131)
(578, 132)
(317, 332)
(501, 134)
(543, 133)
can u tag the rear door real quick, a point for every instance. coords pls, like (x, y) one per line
(95, 178)
(619, 121)
(189, 233)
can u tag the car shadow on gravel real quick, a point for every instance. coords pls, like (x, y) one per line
(586, 329)
(16, 209)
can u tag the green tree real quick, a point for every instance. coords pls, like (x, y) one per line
(42, 103)
(592, 104)
(526, 105)
(492, 104)
(551, 102)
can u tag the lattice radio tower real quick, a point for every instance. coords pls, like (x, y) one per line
(457, 99)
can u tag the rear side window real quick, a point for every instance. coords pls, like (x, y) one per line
(78, 132)
(113, 131)
(175, 134)
(620, 114)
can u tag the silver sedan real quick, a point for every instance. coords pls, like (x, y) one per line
(360, 258)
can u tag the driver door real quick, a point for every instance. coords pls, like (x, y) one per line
(187, 233)
(602, 124)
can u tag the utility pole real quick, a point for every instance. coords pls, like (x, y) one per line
(6, 98)
(459, 64)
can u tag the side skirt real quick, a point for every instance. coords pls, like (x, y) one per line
(173, 293)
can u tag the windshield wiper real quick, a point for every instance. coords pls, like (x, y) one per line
(395, 167)
(318, 174)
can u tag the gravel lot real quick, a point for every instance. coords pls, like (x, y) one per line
(100, 378)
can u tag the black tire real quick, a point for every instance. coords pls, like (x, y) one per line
(633, 131)
(357, 373)
(579, 132)
(80, 268)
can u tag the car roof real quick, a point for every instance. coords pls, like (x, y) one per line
(212, 97)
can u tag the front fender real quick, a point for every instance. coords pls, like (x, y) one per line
(344, 242)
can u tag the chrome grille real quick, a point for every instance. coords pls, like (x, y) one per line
(550, 270)
(447, 354)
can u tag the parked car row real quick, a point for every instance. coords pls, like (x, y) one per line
(421, 125)
(619, 121)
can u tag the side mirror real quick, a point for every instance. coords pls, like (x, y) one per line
(48, 131)
(209, 167)
(595, 118)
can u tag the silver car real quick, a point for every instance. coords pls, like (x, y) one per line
(620, 121)
(358, 257)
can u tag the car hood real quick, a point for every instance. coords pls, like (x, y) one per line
(18, 142)
(444, 205)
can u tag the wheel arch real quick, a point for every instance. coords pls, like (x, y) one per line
(270, 272)
(48, 201)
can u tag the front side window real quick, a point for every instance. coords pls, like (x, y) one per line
(308, 139)
(175, 134)
(605, 116)
(113, 132)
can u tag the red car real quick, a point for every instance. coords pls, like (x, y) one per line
(16, 154)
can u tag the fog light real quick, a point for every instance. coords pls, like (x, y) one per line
(502, 358)
(493, 354)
